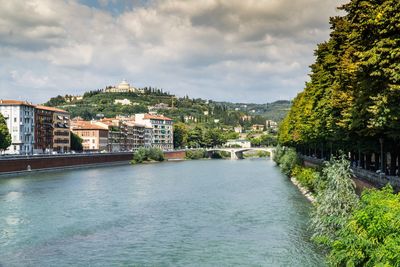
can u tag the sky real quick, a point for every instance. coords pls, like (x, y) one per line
(254, 51)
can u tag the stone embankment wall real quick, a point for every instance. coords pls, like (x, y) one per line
(42, 162)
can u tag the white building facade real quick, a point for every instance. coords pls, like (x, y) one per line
(20, 119)
(162, 130)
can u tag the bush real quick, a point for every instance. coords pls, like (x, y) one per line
(335, 204)
(306, 177)
(263, 154)
(372, 235)
(279, 152)
(220, 155)
(288, 161)
(147, 154)
(196, 154)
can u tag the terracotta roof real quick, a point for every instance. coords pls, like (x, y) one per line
(15, 103)
(156, 117)
(86, 125)
(51, 109)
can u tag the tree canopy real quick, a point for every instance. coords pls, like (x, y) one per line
(353, 95)
(5, 137)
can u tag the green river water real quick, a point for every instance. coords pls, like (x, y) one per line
(191, 213)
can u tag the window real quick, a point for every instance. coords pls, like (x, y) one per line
(15, 119)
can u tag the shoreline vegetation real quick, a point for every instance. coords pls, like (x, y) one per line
(153, 155)
(352, 230)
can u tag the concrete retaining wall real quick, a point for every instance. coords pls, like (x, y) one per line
(27, 163)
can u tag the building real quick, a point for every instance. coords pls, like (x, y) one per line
(257, 127)
(43, 130)
(135, 135)
(273, 125)
(124, 102)
(162, 130)
(122, 87)
(95, 137)
(20, 119)
(116, 135)
(238, 129)
(61, 132)
(242, 143)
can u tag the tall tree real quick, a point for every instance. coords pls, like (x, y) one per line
(5, 137)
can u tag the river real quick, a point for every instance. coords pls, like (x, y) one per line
(191, 213)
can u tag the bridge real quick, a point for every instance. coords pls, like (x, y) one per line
(237, 153)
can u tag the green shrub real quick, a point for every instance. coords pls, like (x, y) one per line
(335, 204)
(288, 161)
(263, 154)
(196, 154)
(372, 235)
(305, 176)
(279, 152)
(220, 155)
(147, 154)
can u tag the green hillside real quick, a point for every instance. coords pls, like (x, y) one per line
(197, 111)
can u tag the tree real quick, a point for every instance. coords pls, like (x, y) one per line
(214, 137)
(5, 137)
(335, 202)
(180, 135)
(76, 142)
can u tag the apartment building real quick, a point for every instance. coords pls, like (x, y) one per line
(95, 137)
(62, 137)
(52, 130)
(116, 134)
(20, 119)
(43, 130)
(162, 130)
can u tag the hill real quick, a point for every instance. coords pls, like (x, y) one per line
(189, 110)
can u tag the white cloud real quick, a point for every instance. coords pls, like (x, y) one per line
(257, 49)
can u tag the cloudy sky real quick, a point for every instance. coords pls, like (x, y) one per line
(235, 50)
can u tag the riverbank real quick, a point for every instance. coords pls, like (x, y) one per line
(306, 192)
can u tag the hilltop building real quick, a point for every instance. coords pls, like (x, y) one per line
(20, 120)
(124, 102)
(122, 87)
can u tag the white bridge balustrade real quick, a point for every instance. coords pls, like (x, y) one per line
(237, 153)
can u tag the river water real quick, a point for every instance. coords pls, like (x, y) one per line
(192, 213)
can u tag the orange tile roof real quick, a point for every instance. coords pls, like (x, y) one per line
(15, 102)
(50, 108)
(86, 125)
(156, 117)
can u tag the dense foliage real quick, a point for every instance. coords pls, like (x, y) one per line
(335, 202)
(307, 177)
(286, 158)
(5, 137)
(147, 154)
(195, 136)
(76, 142)
(353, 97)
(372, 235)
(196, 154)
